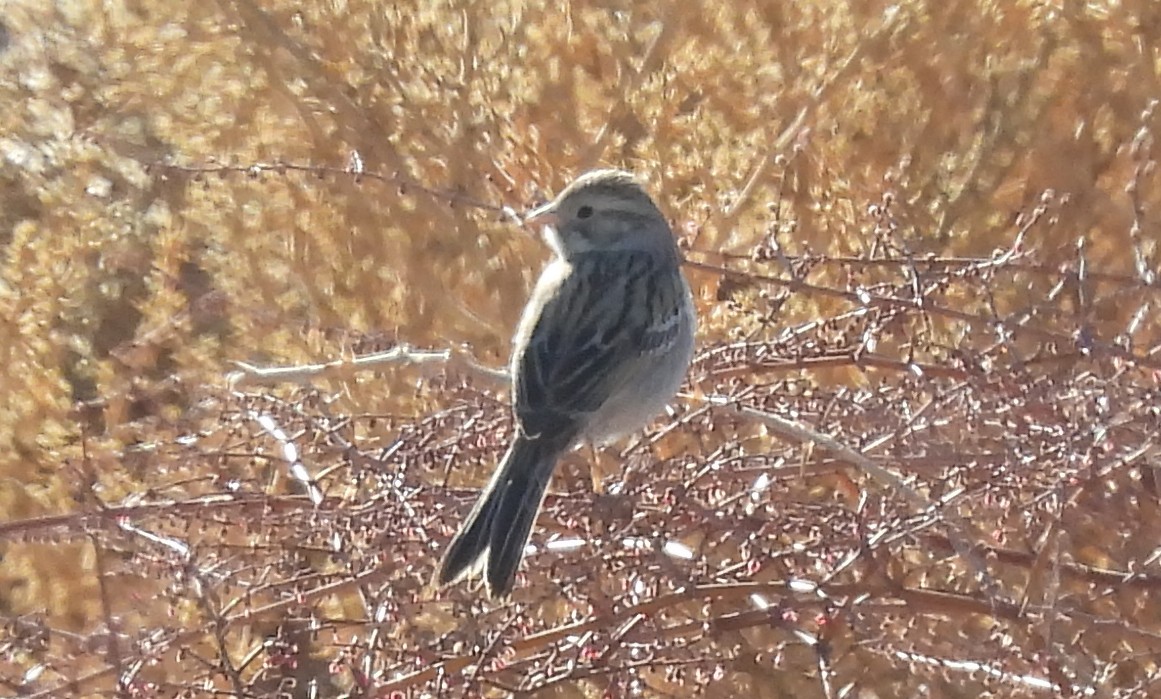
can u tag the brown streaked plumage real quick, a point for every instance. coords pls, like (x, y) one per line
(602, 346)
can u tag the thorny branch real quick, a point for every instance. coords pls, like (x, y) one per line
(714, 528)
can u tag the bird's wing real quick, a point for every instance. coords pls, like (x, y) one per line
(601, 321)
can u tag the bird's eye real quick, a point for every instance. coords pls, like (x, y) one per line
(584, 212)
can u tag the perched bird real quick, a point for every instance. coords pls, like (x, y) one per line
(602, 346)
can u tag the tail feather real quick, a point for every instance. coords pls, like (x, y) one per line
(516, 511)
(496, 531)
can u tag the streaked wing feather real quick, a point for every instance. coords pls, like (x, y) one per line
(587, 338)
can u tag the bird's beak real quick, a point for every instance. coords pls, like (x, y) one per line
(544, 215)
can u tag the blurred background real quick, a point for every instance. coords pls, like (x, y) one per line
(926, 232)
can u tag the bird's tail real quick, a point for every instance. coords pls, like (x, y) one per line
(496, 531)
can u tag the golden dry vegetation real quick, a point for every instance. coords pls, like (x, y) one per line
(927, 231)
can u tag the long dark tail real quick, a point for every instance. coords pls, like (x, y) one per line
(499, 525)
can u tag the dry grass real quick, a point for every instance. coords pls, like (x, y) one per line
(927, 230)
